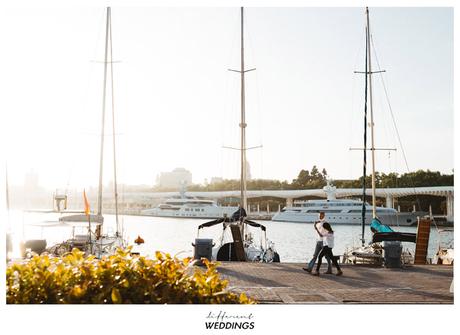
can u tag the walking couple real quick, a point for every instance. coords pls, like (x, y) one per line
(324, 245)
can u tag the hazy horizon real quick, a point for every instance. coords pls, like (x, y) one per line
(176, 104)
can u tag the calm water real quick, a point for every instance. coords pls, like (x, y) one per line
(294, 241)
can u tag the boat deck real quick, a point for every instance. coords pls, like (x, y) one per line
(287, 283)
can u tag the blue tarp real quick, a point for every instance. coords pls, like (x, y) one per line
(378, 227)
(384, 233)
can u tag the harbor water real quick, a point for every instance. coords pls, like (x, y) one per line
(294, 242)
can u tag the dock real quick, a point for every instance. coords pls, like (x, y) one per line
(287, 283)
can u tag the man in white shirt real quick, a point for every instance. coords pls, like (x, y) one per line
(326, 251)
(319, 244)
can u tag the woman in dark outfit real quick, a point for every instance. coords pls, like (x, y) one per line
(328, 244)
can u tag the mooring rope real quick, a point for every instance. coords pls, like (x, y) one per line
(394, 121)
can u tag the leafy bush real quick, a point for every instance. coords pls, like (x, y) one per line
(120, 278)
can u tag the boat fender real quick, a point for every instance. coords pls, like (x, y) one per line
(98, 232)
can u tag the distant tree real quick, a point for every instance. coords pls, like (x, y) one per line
(315, 179)
(348, 183)
(310, 180)
(421, 178)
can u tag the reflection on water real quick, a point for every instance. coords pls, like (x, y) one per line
(294, 242)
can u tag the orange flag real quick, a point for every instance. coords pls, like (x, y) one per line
(86, 203)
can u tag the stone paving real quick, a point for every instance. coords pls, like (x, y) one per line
(287, 283)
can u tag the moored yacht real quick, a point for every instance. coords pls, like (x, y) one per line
(190, 207)
(341, 211)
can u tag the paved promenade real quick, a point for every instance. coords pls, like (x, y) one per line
(287, 283)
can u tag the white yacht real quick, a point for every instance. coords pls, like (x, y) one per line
(189, 207)
(341, 211)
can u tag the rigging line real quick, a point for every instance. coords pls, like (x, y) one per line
(389, 106)
(389, 161)
(259, 125)
(101, 158)
(252, 57)
(384, 121)
(395, 169)
(350, 134)
(222, 124)
(91, 70)
(227, 107)
(90, 74)
(394, 122)
(115, 189)
(260, 119)
(353, 89)
(230, 117)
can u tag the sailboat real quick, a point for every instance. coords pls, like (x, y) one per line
(95, 242)
(236, 242)
(373, 252)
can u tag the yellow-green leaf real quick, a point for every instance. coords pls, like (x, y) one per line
(116, 296)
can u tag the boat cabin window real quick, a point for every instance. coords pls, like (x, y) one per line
(359, 211)
(323, 210)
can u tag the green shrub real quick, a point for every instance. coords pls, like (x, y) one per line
(120, 278)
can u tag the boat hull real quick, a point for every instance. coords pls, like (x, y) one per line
(398, 219)
(208, 213)
(226, 253)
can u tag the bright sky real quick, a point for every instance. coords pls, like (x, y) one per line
(177, 105)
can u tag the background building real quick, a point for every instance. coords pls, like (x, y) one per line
(31, 184)
(216, 180)
(175, 179)
(248, 171)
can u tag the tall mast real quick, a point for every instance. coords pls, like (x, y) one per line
(363, 209)
(368, 93)
(243, 125)
(104, 89)
(115, 187)
(243, 120)
(371, 111)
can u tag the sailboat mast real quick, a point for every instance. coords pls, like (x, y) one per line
(371, 112)
(104, 89)
(243, 120)
(115, 187)
(363, 209)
